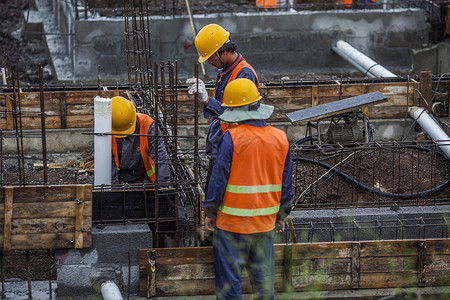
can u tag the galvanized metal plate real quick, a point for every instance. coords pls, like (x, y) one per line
(340, 106)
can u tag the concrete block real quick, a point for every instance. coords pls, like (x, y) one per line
(113, 243)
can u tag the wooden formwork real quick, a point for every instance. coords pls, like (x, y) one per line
(74, 109)
(45, 217)
(303, 267)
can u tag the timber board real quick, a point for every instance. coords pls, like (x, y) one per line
(45, 217)
(311, 266)
(74, 109)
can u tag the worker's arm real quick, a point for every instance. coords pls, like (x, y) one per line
(219, 177)
(163, 156)
(287, 190)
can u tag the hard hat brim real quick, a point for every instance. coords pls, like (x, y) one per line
(234, 114)
(124, 133)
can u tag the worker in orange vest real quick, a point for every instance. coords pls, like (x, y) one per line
(266, 3)
(250, 191)
(214, 46)
(133, 156)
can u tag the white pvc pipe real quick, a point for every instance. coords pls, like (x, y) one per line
(353, 56)
(102, 143)
(432, 128)
(110, 291)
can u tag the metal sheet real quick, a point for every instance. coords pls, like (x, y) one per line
(341, 106)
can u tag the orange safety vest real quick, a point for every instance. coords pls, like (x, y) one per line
(253, 193)
(242, 64)
(144, 125)
(347, 3)
(266, 3)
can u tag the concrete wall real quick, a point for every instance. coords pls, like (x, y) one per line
(276, 44)
(435, 58)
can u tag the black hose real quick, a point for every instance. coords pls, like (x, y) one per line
(367, 188)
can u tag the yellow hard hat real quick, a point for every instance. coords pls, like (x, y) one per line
(240, 92)
(123, 116)
(209, 39)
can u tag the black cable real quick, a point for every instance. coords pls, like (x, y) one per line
(371, 190)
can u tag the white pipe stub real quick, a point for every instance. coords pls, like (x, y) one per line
(432, 128)
(110, 291)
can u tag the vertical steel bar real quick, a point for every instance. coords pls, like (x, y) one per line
(50, 263)
(148, 47)
(2, 257)
(43, 132)
(174, 142)
(135, 46)
(156, 80)
(16, 127)
(19, 115)
(196, 161)
(27, 255)
(127, 41)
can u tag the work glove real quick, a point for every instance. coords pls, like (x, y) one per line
(202, 93)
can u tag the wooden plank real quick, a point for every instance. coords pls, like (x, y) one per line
(47, 241)
(44, 225)
(312, 266)
(9, 193)
(79, 210)
(53, 193)
(388, 279)
(321, 250)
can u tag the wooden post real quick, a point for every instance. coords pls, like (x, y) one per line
(421, 258)
(314, 95)
(356, 253)
(365, 90)
(79, 210)
(151, 274)
(9, 113)
(63, 109)
(8, 218)
(425, 85)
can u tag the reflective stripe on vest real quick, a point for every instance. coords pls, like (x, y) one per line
(242, 212)
(252, 197)
(144, 125)
(253, 189)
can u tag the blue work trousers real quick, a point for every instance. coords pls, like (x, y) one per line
(232, 253)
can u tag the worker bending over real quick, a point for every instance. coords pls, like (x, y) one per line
(214, 46)
(133, 156)
(249, 192)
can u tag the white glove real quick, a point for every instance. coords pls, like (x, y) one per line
(202, 93)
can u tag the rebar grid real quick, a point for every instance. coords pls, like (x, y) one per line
(368, 229)
(28, 266)
(376, 174)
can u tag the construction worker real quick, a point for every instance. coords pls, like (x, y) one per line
(249, 192)
(215, 46)
(133, 156)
